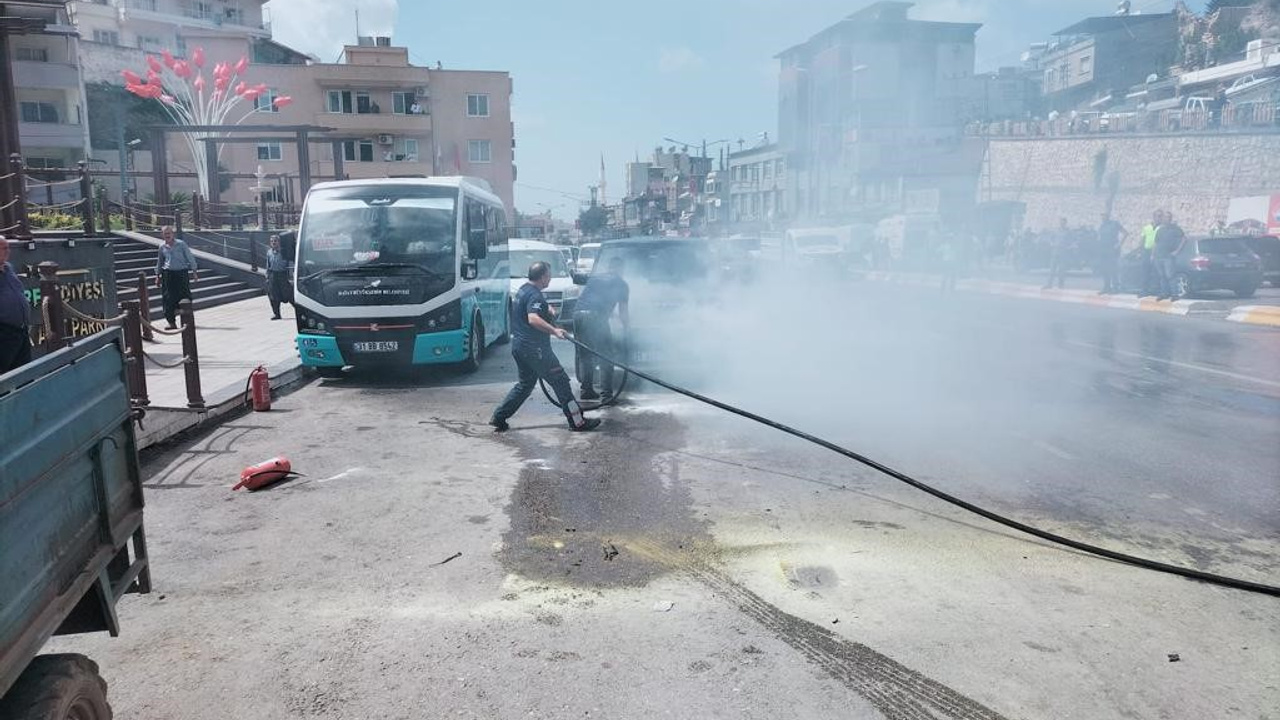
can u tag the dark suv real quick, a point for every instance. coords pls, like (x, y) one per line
(1267, 247)
(1205, 263)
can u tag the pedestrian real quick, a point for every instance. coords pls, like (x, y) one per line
(175, 268)
(604, 292)
(1058, 245)
(1149, 276)
(532, 327)
(15, 316)
(1169, 243)
(1111, 235)
(279, 280)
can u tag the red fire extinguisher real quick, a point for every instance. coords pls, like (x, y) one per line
(267, 472)
(259, 386)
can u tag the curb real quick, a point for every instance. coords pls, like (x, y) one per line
(1079, 297)
(1256, 315)
(163, 424)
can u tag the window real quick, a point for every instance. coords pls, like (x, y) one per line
(266, 102)
(361, 151)
(143, 4)
(269, 151)
(365, 104)
(410, 150)
(479, 151)
(779, 167)
(107, 37)
(234, 16)
(477, 105)
(1086, 64)
(402, 103)
(39, 112)
(340, 101)
(32, 54)
(768, 169)
(149, 42)
(180, 46)
(200, 10)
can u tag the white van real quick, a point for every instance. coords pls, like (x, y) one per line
(524, 253)
(587, 257)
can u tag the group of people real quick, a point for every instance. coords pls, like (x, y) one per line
(1160, 242)
(533, 324)
(176, 268)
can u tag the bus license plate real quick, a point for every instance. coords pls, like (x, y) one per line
(379, 346)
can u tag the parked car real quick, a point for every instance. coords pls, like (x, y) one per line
(586, 257)
(1267, 247)
(525, 253)
(1205, 263)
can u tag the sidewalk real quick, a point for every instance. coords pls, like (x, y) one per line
(231, 340)
(1081, 288)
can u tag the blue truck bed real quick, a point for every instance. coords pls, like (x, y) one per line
(71, 537)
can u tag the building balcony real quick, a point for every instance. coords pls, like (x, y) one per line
(45, 75)
(192, 19)
(50, 135)
(375, 123)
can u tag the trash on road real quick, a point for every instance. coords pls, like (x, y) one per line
(451, 558)
(663, 606)
(610, 552)
(1175, 657)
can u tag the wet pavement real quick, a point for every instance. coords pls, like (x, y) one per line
(684, 563)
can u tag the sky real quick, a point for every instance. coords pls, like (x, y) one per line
(606, 79)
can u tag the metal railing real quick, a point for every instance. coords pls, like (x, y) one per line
(1237, 118)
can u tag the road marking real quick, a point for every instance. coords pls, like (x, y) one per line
(1185, 366)
(1054, 450)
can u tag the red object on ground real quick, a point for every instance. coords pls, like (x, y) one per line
(260, 385)
(268, 472)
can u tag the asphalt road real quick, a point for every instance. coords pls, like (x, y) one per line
(681, 563)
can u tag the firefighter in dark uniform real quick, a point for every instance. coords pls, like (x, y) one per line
(604, 292)
(532, 327)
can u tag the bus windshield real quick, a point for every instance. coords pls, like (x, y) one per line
(522, 259)
(379, 226)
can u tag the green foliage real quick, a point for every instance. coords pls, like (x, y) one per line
(109, 105)
(54, 221)
(592, 220)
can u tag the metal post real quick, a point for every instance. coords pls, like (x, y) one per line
(253, 254)
(135, 329)
(160, 164)
(177, 219)
(211, 170)
(127, 209)
(19, 210)
(56, 325)
(104, 210)
(86, 198)
(144, 306)
(195, 211)
(191, 356)
(263, 223)
(304, 161)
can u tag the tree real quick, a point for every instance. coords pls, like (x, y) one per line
(109, 104)
(592, 220)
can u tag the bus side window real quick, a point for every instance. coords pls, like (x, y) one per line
(476, 231)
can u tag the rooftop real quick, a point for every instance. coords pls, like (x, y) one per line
(887, 14)
(1110, 23)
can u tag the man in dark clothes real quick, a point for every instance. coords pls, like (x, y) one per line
(173, 263)
(1169, 242)
(15, 316)
(532, 326)
(1111, 237)
(604, 292)
(279, 278)
(1059, 243)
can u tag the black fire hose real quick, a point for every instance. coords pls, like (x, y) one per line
(605, 402)
(1211, 578)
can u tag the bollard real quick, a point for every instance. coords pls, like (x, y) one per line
(136, 370)
(144, 306)
(55, 329)
(86, 198)
(18, 184)
(191, 364)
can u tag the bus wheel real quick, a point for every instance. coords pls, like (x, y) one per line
(475, 346)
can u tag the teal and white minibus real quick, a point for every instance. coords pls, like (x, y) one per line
(401, 272)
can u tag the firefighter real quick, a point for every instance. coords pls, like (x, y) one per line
(604, 292)
(532, 327)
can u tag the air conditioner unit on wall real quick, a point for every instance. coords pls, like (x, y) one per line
(421, 91)
(385, 139)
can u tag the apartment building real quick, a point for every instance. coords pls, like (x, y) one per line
(46, 77)
(757, 185)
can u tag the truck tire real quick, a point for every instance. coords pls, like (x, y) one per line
(57, 687)
(475, 346)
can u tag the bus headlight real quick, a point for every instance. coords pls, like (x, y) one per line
(308, 323)
(446, 317)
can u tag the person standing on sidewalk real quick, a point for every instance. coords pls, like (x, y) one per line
(1149, 281)
(1111, 235)
(1169, 242)
(279, 280)
(175, 268)
(15, 316)
(1058, 244)
(532, 327)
